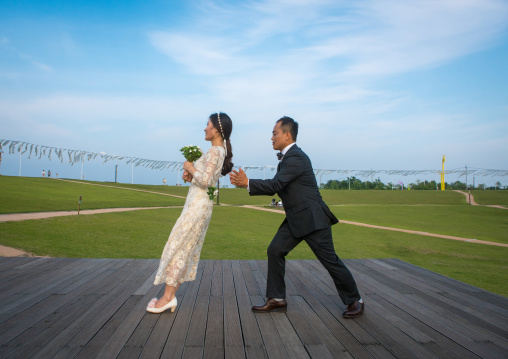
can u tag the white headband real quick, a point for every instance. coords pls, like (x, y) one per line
(222, 133)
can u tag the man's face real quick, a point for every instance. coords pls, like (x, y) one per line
(280, 139)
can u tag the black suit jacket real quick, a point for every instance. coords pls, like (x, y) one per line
(296, 185)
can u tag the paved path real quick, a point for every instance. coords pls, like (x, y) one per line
(40, 215)
(470, 200)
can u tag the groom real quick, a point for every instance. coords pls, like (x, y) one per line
(307, 218)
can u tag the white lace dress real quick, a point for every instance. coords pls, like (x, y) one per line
(180, 257)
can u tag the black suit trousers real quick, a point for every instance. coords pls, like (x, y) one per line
(321, 243)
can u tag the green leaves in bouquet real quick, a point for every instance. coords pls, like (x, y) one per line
(191, 153)
(212, 192)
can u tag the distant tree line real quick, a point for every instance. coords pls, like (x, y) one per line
(354, 183)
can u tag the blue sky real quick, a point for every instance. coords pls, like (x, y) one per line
(373, 84)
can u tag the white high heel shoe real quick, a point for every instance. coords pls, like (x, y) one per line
(151, 306)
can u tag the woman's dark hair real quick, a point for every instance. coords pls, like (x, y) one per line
(225, 128)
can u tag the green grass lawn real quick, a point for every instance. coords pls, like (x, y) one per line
(174, 190)
(332, 197)
(241, 233)
(23, 194)
(491, 197)
(475, 222)
(387, 197)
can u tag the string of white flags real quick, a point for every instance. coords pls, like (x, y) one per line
(78, 156)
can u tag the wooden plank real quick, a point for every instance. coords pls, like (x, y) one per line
(216, 289)
(17, 323)
(233, 341)
(353, 336)
(425, 283)
(97, 310)
(87, 318)
(97, 343)
(214, 336)
(180, 326)
(158, 338)
(9, 275)
(50, 285)
(192, 352)
(396, 341)
(289, 336)
(436, 277)
(253, 342)
(496, 322)
(441, 346)
(470, 326)
(134, 346)
(114, 333)
(7, 263)
(272, 341)
(475, 331)
(251, 285)
(84, 335)
(427, 316)
(197, 328)
(51, 275)
(121, 336)
(348, 333)
(400, 303)
(38, 335)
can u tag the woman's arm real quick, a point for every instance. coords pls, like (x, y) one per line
(205, 178)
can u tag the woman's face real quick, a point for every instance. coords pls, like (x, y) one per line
(210, 131)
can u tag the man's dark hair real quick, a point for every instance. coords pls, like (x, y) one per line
(287, 124)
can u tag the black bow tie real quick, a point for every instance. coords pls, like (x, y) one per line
(280, 155)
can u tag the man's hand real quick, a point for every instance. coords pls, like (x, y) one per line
(239, 178)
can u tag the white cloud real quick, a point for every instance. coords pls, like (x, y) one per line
(312, 51)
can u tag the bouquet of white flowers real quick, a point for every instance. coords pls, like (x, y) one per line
(191, 153)
(212, 192)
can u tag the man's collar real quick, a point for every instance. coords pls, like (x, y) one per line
(286, 149)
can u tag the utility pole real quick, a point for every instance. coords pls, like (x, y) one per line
(218, 190)
(466, 176)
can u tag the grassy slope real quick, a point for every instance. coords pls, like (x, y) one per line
(491, 197)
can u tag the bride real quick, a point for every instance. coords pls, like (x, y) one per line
(180, 257)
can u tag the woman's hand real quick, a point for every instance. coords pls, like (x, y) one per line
(188, 166)
(187, 176)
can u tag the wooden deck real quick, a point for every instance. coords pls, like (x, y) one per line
(94, 308)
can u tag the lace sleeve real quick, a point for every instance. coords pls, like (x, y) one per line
(206, 177)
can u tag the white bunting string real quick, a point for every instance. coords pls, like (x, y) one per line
(76, 156)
